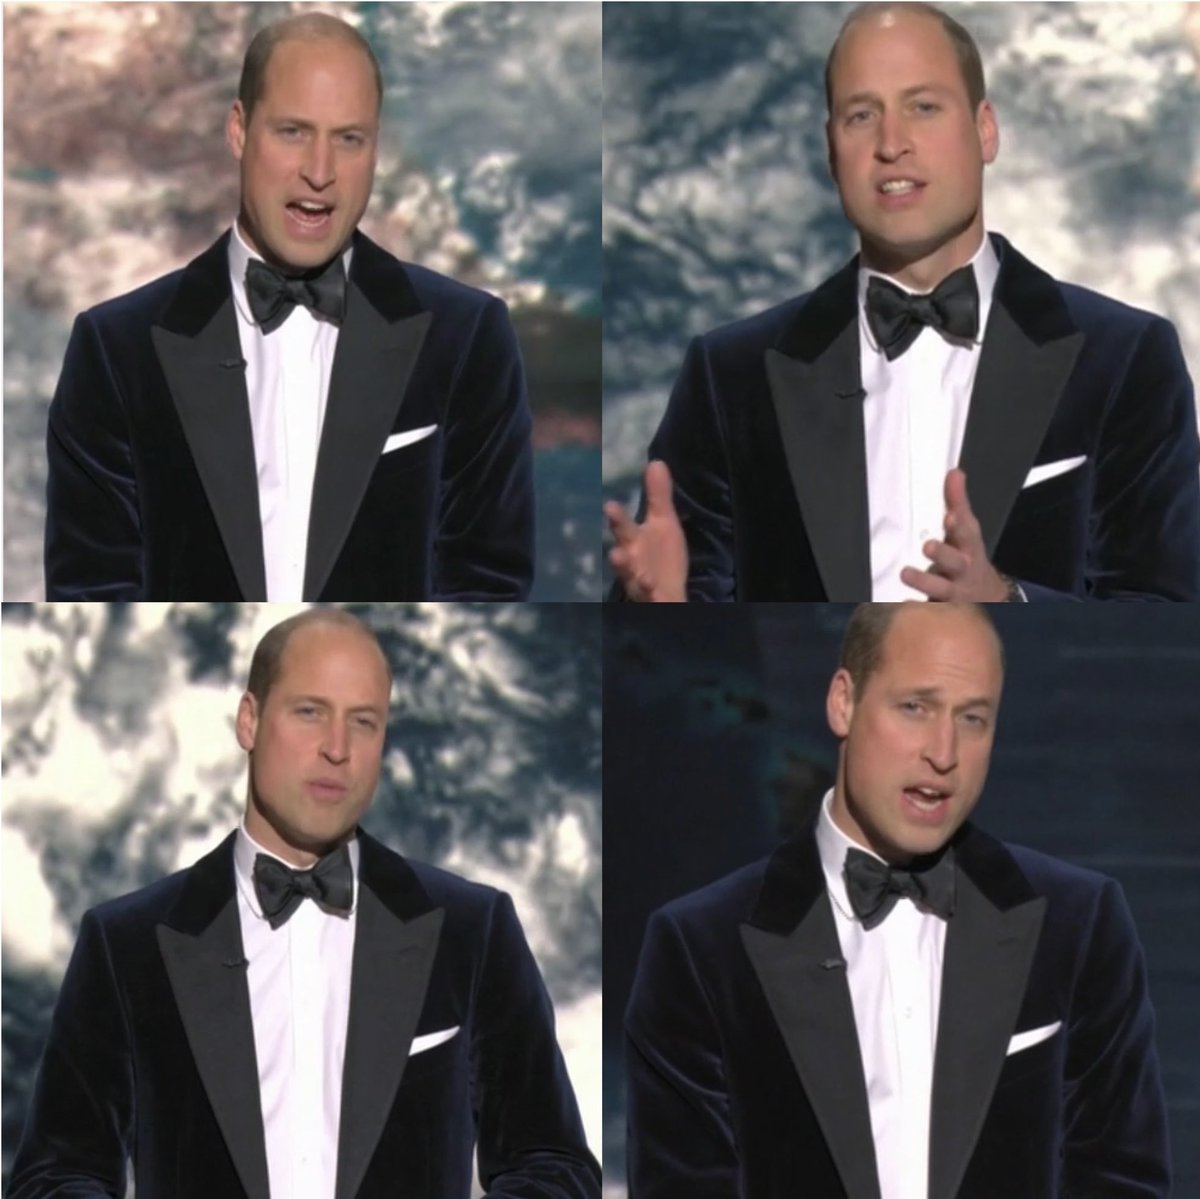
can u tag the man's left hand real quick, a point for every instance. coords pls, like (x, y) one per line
(961, 571)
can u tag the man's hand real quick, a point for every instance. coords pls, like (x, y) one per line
(650, 559)
(961, 570)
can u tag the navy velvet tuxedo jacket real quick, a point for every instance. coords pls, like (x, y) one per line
(765, 441)
(745, 1077)
(153, 486)
(151, 1051)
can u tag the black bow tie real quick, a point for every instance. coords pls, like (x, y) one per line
(273, 295)
(281, 890)
(896, 317)
(874, 887)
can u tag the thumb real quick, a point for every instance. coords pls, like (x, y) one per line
(659, 490)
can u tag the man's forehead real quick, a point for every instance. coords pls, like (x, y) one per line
(928, 631)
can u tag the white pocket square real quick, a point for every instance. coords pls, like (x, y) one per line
(1032, 1036)
(408, 437)
(1051, 470)
(430, 1039)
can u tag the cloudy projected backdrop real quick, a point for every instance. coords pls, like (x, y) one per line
(120, 766)
(718, 201)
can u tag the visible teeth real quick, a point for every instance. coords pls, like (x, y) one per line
(895, 186)
(307, 207)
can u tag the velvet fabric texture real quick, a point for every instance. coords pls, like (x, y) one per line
(151, 1051)
(745, 1077)
(152, 489)
(765, 441)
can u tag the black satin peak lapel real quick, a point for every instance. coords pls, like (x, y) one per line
(205, 963)
(392, 963)
(812, 1007)
(815, 375)
(200, 353)
(791, 939)
(1029, 350)
(989, 951)
(371, 369)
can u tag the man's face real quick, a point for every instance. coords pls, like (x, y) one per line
(307, 153)
(905, 149)
(316, 744)
(917, 736)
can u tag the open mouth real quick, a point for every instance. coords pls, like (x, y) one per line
(309, 214)
(926, 799)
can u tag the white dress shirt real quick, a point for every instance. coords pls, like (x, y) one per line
(915, 414)
(299, 978)
(287, 379)
(895, 976)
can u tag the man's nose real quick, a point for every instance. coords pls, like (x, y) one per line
(941, 750)
(319, 168)
(336, 743)
(892, 136)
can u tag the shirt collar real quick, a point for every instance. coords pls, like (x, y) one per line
(986, 264)
(240, 256)
(832, 845)
(246, 849)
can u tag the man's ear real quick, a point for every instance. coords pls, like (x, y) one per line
(989, 131)
(839, 703)
(235, 130)
(247, 721)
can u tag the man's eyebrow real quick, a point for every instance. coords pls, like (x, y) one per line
(935, 693)
(301, 123)
(323, 702)
(906, 94)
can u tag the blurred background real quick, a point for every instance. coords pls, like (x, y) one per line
(120, 766)
(116, 171)
(716, 749)
(718, 202)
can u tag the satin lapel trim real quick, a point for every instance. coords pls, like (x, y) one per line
(812, 1006)
(988, 956)
(207, 378)
(214, 1004)
(818, 406)
(372, 365)
(1017, 388)
(393, 959)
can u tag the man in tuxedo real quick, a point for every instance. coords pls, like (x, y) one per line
(296, 414)
(941, 418)
(304, 1014)
(895, 1005)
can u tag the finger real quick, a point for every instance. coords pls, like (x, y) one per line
(933, 586)
(954, 490)
(624, 527)
(623, 567)
(961, 525)
(948, 561)
(660, 490)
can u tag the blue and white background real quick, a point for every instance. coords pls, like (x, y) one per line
(718, 201)
(121, 766)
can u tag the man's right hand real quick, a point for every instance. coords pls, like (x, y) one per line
(650, 559)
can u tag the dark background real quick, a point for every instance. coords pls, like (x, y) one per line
(715, 735)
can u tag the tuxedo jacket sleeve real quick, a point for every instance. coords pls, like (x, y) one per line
(79, 1128)
(152, 476)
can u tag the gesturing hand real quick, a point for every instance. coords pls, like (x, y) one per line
(650, 559)
(961, 570)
